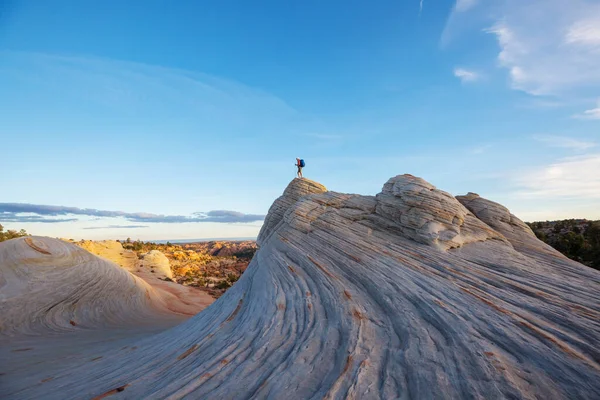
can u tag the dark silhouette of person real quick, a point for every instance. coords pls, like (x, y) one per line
(299, 165)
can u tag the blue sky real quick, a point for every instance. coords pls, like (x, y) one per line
(172, 120)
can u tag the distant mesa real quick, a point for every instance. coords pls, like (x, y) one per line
(411, 293)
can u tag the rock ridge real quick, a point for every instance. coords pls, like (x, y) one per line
(296, 189)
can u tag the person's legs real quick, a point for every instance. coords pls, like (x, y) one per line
(300, 172)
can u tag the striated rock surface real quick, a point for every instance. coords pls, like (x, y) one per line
(408, 294)
(427, 215)
(502, 221)
(49, 286)
(495, 215)
(153, 268)
(295, 190)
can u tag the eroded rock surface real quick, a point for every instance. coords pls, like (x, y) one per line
(50, 286)
(407, 294)
(428, 215)
(295, 190)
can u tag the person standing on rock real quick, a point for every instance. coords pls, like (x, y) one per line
(300, 164)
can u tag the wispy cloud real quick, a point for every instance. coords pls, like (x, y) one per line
(464, 5)
(564, 142)
(15, 217)
(466, 75)
(593, 113)
(585, 32)
(540, 57)
(12, 210)
(420, 7)
(116, 86)
(458, 20)
(118, 227)
(574, 178)
(547, 47)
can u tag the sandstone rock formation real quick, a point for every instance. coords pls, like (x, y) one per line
(47, 285)
(113, 251)
(153, 268)
(421, 212)
(295, 190)
(157, 263)
(407, 294)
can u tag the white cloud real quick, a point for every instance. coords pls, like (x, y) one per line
(136, 87)
(593, 113)
(465, 75)
(574, 177)
(584, 32)
(420, 7)
(564, 142)
(548, 47)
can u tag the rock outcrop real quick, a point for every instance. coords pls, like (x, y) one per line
(407, 294)
(294, 192)
(495, 215)
(111, 250)
(50, 286)
(157, 263)
(427, 215)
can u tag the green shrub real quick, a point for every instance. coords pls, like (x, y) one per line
(223, 285)
(11, 234)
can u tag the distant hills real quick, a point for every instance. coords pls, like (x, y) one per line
(578, 239)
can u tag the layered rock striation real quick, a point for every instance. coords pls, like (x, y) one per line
(51, 286)
(411, 293)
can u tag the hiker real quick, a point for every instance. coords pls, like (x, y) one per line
(300, 164)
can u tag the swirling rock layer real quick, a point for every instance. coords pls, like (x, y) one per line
(409, 294)
(50, 286)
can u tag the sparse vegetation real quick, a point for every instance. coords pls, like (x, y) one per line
(11, 234)
(213, 266)
(578, 239)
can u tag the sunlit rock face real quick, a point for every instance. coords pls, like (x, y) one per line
(495, 215)
(294, 192)
(410, 294)
(158, 263)
(51, 286)
(427, 215)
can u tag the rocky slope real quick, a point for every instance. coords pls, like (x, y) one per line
(408, 294)
(154, 268)
(49, 286)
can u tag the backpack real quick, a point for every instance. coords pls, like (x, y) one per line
(302, 163)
